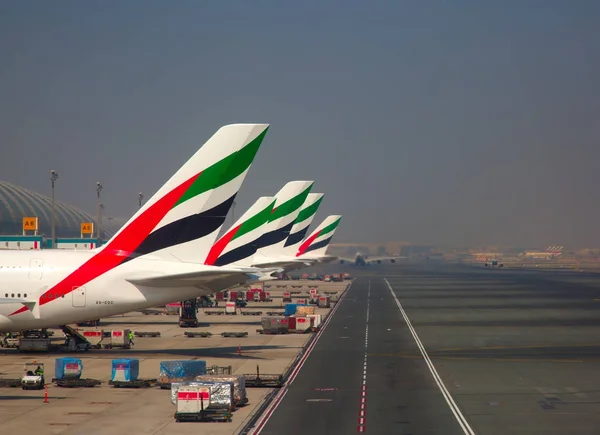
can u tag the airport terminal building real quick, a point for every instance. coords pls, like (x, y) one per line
(18, 203)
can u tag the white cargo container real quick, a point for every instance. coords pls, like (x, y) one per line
(316, 317)
(192, 399)
(120, 338)
(230, 308)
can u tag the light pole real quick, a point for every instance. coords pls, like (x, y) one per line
(140, 197)
(99, 231)
(53, 178)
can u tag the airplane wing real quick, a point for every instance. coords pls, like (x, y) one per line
(197, 278)
(32, 306)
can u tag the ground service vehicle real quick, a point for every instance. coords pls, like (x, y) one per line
(32, 378)
(187, 313)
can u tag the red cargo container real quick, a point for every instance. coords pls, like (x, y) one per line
(250, 295)
(291, 323)
(220, 296)
(233, 296)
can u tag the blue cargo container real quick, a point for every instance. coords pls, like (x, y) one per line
(290, 309)
(68, 368)
(125, 369)
(186, 369)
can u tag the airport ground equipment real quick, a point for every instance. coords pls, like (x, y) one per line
(11, 340)
(263, 381)
(32, 379)
(219, 370)
(77, 383)
(204, 334)
(10, 382)
(179, 371)
(68, 373)
(193, 403)
(187, 314)
(147, 334)
(251, 313)
(125, 372)
(234, 334)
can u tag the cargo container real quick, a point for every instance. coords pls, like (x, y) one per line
(237, 381)
(191, 399)
(324, 302)
(230, 307)
(180, 371)
(316, 319)
(94, 337)
(274, 323)
(68, 368)
(290, 309)
(304, 310)
(221, 392)
(172, 309)
(301, 301)
(220, 296)
(125, 369)
(233, 295)
(303, 323)
(287, 297)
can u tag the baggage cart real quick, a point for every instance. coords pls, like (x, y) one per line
(191, 334)
(76, 383)
(263, 381)
(138, 383)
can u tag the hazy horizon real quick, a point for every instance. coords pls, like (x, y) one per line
(449, 123)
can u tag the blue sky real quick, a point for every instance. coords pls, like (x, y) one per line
(449, 122)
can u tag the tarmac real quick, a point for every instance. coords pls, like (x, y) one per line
(104, 410)
(451, 349)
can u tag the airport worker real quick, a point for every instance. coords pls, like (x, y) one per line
(131, 338)
(39, 371)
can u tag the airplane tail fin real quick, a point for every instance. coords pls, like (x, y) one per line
(317, 243)
(288, 202)
(181, 221)
(302, 223)
(239, 244)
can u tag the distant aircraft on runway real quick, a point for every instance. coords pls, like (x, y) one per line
(363, 260)
(494, 263)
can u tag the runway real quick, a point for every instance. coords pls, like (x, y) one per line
(516, 352)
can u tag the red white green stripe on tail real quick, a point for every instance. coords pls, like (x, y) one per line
(239, 244)
(317, 243)
(289, 201)
(303, 221)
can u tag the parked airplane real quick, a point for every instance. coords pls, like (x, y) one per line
(231, 250)
(156, 258)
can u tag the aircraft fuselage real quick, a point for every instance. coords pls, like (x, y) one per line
(70, 288)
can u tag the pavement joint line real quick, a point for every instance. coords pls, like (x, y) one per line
(278, 398)
(362, 413)
(460, 418)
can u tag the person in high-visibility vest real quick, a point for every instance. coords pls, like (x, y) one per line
(39, 371)
(131, 338)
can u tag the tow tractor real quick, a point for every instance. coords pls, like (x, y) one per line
(31, 380)
(10, 340)
(187, 313)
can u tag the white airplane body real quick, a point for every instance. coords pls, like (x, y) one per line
(156, 258)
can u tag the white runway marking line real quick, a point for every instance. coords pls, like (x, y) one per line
(362, 412)
(462, 421)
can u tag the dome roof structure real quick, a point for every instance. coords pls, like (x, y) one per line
(17, 202)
